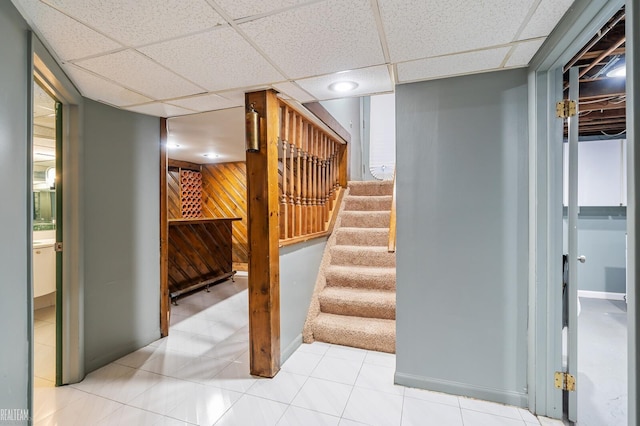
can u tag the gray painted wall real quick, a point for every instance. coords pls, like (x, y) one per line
(601, 239)
(122, 239)
(299, 266)
(347, 112)
(14, 226)
(462, 258)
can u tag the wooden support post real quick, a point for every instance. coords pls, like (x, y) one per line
(263, 232)
(164, 233)
(342, 166)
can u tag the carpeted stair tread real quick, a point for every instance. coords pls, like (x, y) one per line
(354, 300)
(352, 236)
(362, 256)
(371, 187)
(367, 219)
(367, 333)
(375, 278)
(358, 302)
(367, 202)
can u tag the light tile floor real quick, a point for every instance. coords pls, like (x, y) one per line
(44, 350)
(200, 375)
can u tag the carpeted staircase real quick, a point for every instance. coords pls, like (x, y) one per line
(354, 301)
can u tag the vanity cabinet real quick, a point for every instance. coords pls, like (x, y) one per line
(44, 270)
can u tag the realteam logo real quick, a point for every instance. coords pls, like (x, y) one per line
(14, 415)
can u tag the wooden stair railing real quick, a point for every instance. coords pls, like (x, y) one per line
(311, 175)
(392, 220)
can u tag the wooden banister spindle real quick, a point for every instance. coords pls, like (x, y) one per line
(292, 181)
(284, 198)
(314, 181)
(325, 181)
(305, 175)
(299, 170)
(309, 221)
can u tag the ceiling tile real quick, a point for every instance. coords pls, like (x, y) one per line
(219, 59)
(67, 37)
(159, 109)
(210, 102)
(545, 18)
(221, 132)
(238, 9)
(236, 96)
(102, 90)
(370, 80)
(424, 28)
(293, 91)
(142, 21)
(319, 38)
(133, 70)
(523, 52)
(443, 66)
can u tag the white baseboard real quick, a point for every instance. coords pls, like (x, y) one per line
(463, 389)
(291, 348)
(601, 295)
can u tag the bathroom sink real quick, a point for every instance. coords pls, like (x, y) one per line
(41, 243)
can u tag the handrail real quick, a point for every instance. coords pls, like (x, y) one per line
(392, 219)
(311, 174)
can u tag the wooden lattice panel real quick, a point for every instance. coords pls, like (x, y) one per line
(191, 194)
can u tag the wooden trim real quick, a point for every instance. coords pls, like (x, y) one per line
(313, 119)
(324, 115)
(164, 233)
(187, 165)
(173, 222)
(263, 232)
(392, 219)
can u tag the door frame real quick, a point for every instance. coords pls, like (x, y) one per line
(70, 319)
(545, 200)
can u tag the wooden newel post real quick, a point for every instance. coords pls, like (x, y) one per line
(342, 166)
(263, 232)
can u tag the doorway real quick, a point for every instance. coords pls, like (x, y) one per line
(595, 224)
(46, 216)
(69, 315)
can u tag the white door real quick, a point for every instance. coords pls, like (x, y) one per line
(572, 286)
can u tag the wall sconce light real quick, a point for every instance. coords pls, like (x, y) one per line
(253, 130)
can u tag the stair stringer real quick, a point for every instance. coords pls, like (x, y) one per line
(321, 281)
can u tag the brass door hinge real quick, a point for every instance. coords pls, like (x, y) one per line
(565, 381)
(566, 108)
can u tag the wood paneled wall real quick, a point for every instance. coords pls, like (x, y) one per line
(173, 194)
(224, 194)
(199, 253)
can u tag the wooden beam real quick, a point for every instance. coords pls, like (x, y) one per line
(597, 88)
(328, 119)
(263, 233)
(164, 233)
(602, 105)
(179, 164)
(603, 55)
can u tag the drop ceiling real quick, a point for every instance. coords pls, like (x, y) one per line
(175, 57)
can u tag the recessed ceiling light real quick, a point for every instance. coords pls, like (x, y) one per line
(211, 155)
(618, 72)
(174, 145)
(343, 86)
